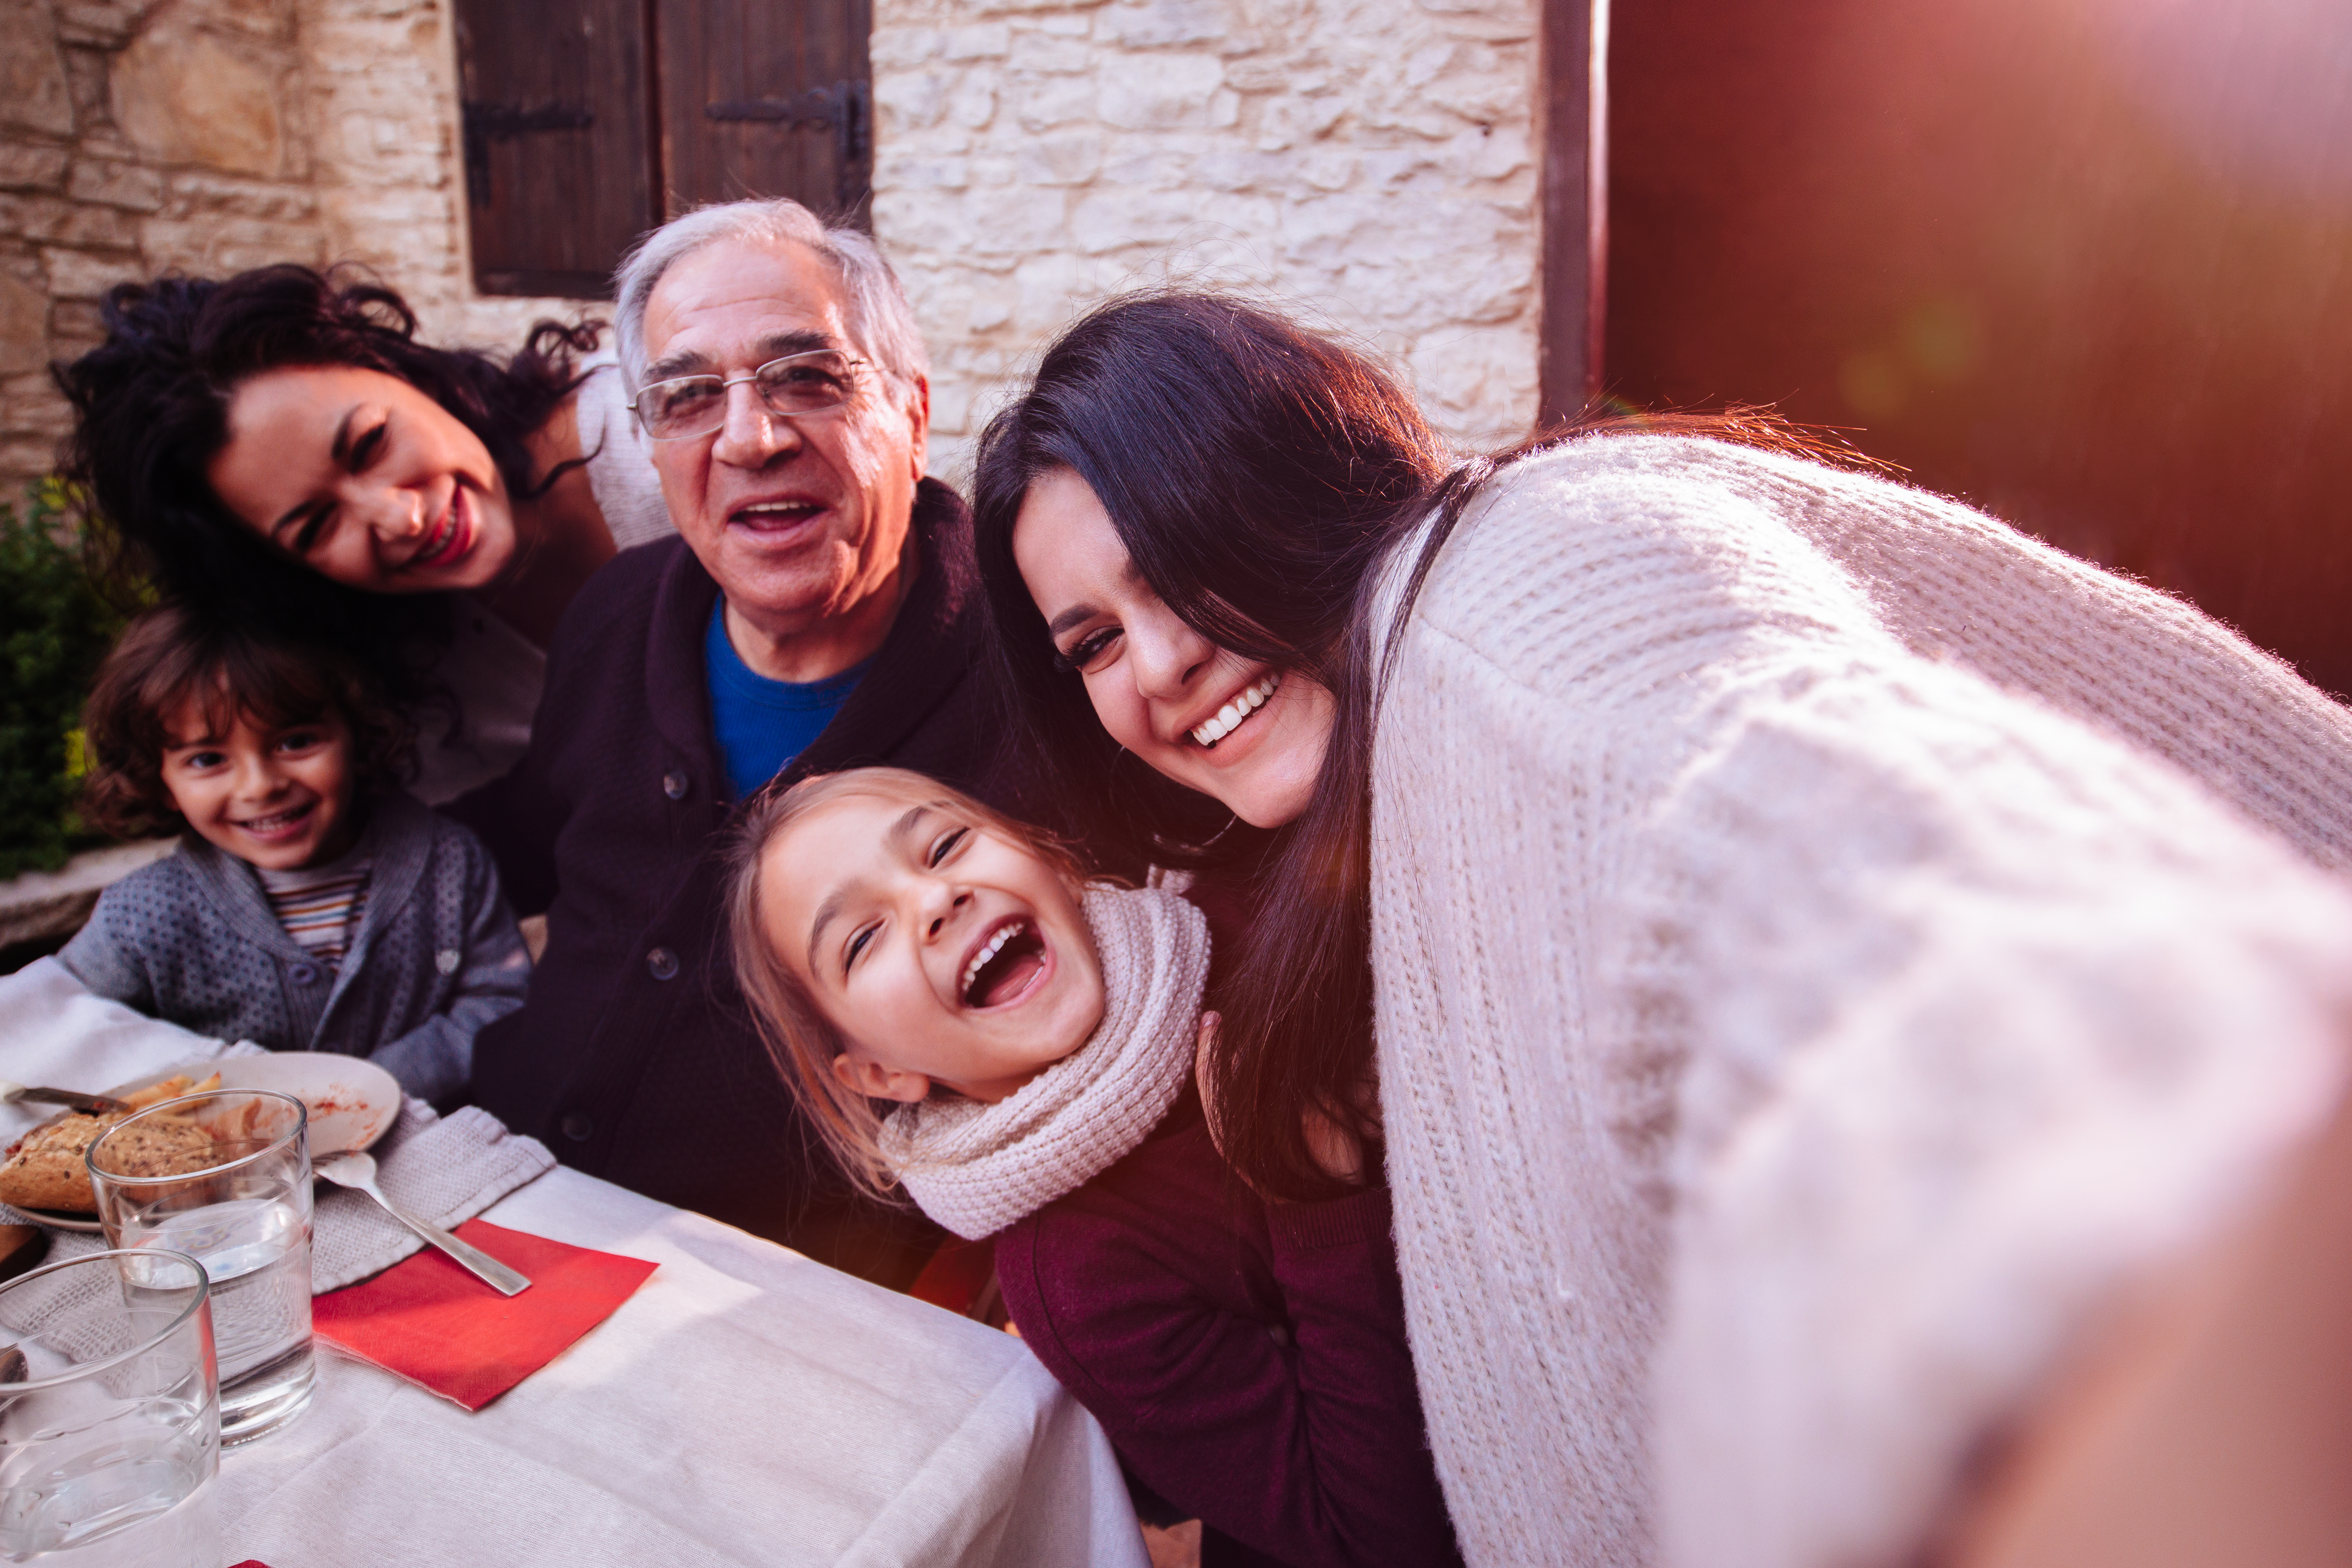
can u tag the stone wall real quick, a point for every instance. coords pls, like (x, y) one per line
(1367, 160)
(211, 135)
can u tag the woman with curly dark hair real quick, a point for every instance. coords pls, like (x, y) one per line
(279, 441)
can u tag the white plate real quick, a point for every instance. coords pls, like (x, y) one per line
(352, 1101)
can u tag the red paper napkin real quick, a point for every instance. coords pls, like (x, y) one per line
(432, 1322)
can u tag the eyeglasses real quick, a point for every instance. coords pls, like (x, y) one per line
(794, 387)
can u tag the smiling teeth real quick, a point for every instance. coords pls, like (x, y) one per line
(1229, 717)
(270, 825)
(989, 949)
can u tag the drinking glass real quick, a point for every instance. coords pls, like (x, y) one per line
(110, 1417)
(245, 1215)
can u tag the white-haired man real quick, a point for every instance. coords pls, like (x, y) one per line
(816, 611)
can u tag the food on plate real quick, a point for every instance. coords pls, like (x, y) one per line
(43, 1169)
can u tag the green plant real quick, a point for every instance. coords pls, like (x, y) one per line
(55, 627)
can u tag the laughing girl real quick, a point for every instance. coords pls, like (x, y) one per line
(967, 1017)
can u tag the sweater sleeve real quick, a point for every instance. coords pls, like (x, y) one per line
(436, 1059)
(104, 956)
(1300, 1439)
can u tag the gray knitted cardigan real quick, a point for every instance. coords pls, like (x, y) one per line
(192, 939)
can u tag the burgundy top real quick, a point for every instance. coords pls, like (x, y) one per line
(1248, 1358)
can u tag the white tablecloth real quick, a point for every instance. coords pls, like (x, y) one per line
(744, 1406)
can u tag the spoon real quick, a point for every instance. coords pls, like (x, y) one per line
(357, 1171)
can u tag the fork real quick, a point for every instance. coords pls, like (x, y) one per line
(357, 1171)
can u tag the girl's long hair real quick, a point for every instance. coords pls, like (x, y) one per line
(1259, 477)
(151, 413)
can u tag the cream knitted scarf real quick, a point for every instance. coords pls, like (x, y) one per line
(977, 1168)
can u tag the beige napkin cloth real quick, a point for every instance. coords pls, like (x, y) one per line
(443, 1170)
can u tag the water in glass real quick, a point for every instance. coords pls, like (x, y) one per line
(257, 1253)
(128, 1490)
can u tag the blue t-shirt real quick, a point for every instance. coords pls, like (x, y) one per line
(762, 725)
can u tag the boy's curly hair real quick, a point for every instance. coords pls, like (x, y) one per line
(176, 654)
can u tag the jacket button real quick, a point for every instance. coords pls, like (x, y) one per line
(577, 1127)
(663, 963)
(301, 974)
(674, 785)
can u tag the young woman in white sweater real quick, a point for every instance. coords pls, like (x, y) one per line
(1830, 955)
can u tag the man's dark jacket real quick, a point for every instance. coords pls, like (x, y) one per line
(634, 1059)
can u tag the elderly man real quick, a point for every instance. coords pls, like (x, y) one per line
(816, 611)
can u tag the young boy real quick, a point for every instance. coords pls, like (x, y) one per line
(313, 904)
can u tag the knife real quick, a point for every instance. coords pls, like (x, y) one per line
(90, 1104)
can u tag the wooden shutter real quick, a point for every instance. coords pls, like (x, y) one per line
(559, 153)
(767, 98)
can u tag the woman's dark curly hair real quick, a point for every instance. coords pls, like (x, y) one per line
(226, 664)
(151, 413)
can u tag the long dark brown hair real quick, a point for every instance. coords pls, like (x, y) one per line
(151, 413)
(1258, 477)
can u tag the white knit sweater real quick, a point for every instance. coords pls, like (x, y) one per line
(1825, 943)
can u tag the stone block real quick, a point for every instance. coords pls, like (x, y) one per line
(1114, 219)
(1159, 24)
(217, 243)
(892, 49)
(912, 173)
(973, 102)
(1227, 168)
(25, 166)
(24, 327)
(1016, 223)
(1478, 384)
(1156, 162)
(916, 222)
(104, 25)
(34, 93)
(117, 185)
(272, 19)
(984, 41)
(74, 325)
(907, 101)
(1063, 159)
(1049, 56)
(1288, 120)
(1056, 101)
(1022, 7)
(59, 221)
(191, 192)
(81, 274)
(1159, 91)
(32, 403)
(187, 96)
(1490, 21)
